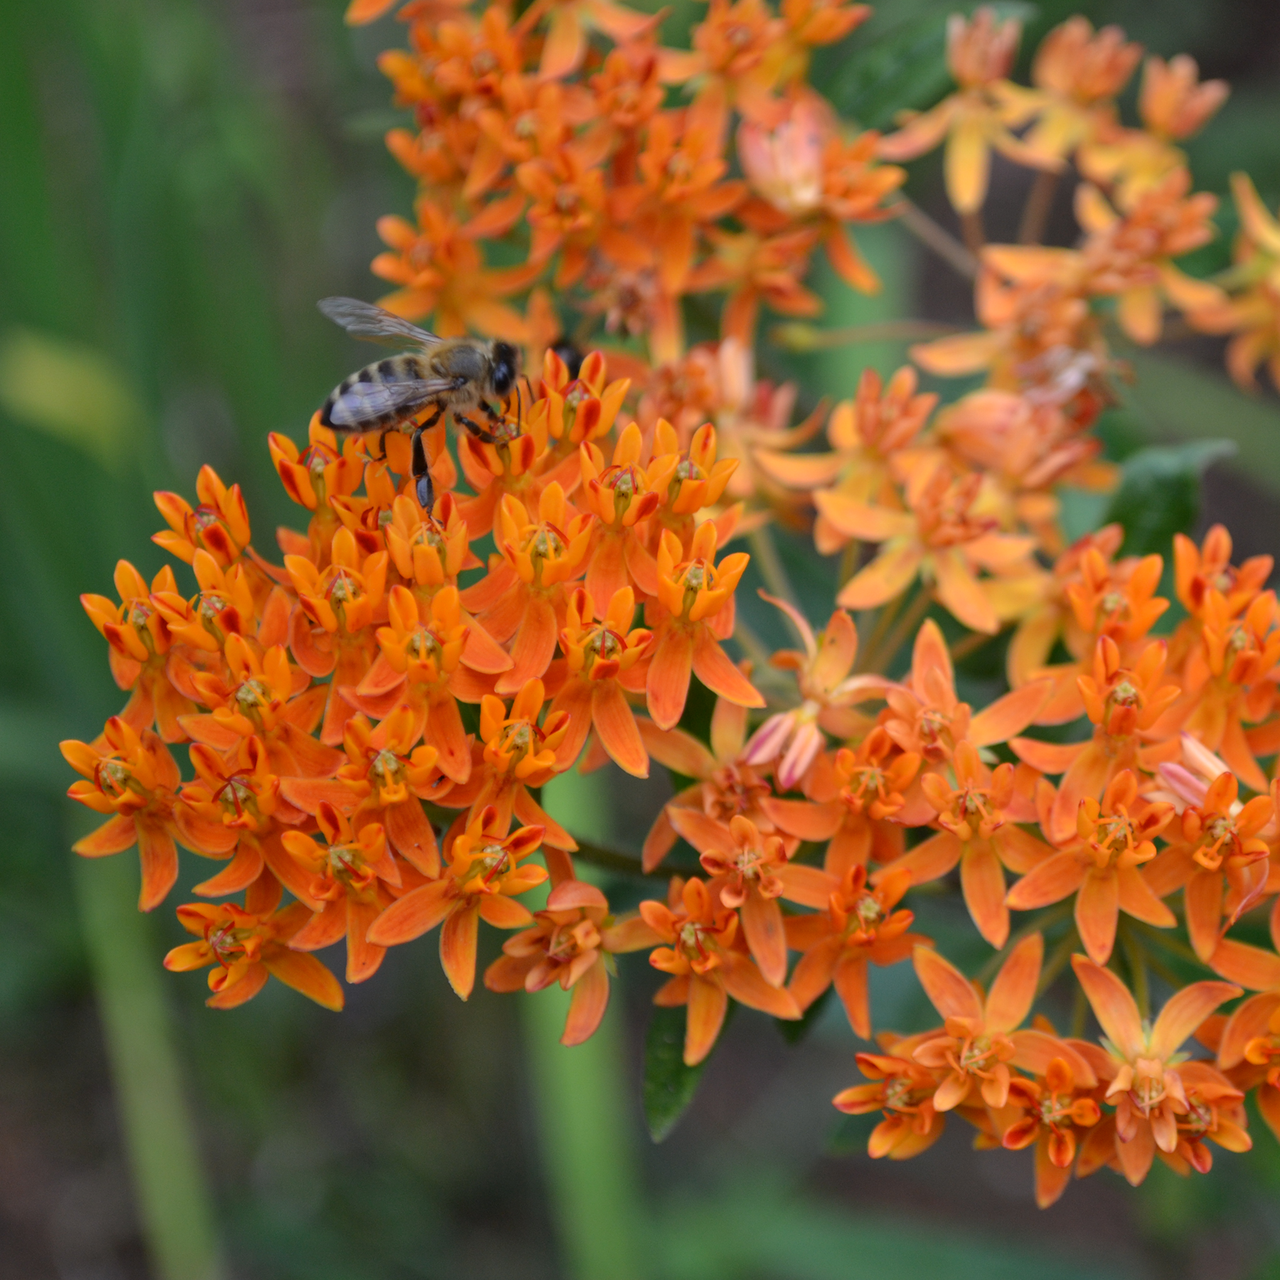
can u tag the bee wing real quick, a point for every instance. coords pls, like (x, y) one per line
(364, 320)
(368, 404)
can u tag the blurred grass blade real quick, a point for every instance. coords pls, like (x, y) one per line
(70, 391)
(159, 1133)
(583, 1110)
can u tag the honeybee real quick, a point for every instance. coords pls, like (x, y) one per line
(458, 375)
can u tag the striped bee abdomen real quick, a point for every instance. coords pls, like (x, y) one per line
(379, 396)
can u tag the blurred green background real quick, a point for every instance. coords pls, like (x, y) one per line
(179, 181)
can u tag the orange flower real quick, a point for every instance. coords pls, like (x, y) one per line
(441, 271)
(1125, 705)
(1129, 254)
(247, 946)
(347, 872)
(980, 55)
(866, 788)
(1209, 863)
(693, 613)
(599, 657)
(219, 525)
(564, 945)
(1079, 73)
(706, 967)
(864, 433)
(904, 1091)
(481, 881)
(1251, 1043)
(943, 538)
(854, 924)
(807, 173)
(133, 777)
(1147, 1089)
(622, 496)
(517, 754)
(419, 667)
(382, 782)
(1052, 1113)
(794, 738)
(981, 1041)
(749, 873)
(139, 642)
(566, 42)
(725, 787)
(976, 833)
(925, 716)
(525, 595)
(1250, 315)
(1114, 837)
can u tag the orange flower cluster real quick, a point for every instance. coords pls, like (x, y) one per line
(370, 722)
(529, 131)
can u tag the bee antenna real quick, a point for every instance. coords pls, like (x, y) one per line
(519, 407)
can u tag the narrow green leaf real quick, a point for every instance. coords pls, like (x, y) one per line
(1160, 493)
(669, 1085)
(70, 391)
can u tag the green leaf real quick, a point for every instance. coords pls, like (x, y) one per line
(903, 67)
(1160, 493)
(796, 1029)
(669, 1085)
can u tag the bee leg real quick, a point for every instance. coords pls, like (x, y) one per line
(492, 413)
(486, 437)
(422, 474)
(435, 417)
(382, 448)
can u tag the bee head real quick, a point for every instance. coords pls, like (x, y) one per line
(506, 365)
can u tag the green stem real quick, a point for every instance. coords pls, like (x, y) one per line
(582, 1102)
(797, 336)
(173, 1199)
(1035, 213)
(1051, 916)
(937, 238)
(769, 562)
(1136, 959)
(904, 629)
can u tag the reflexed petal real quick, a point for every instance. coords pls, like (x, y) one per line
(1251, 967)
(1184, 1011)
(114, 836)
(616, 726)
(458, 948)
(411, 916)
(1246, 1023)
(305, 973)
(1113, 1006)
(587, 1005)
(762, 928)
(850, 979)
(951, 993)
(667, 685)
(927, 861)
(1055, 878)
(159, 865)
(1097, 912)
(982, 883)
(1014, 989)
(715, 669)
(707, 1006)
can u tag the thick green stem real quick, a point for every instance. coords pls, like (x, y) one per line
(582, 1102)
(174, 1203)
